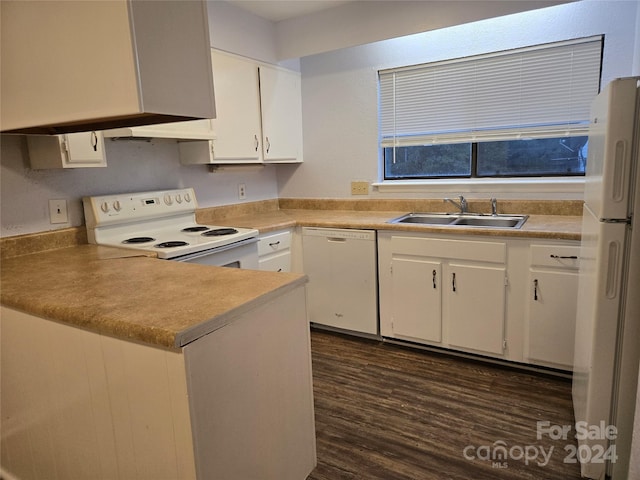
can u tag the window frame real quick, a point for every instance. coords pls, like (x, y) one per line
(559, 130)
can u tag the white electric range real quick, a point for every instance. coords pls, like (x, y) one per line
(164, 222)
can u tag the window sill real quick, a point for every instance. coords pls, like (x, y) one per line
(540, 185)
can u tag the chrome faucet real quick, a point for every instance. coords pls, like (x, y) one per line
(461, 204)
(494, 206)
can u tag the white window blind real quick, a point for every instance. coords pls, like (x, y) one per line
(536, 92)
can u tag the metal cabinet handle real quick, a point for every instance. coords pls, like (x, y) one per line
(453, 281)
(268, 144)
(94, 141)
(274, 244)
(571, 257)
(434, 279)
(535, 289)
(257, 142)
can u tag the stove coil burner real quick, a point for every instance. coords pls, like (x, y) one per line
(171, 244)
(138, 240)
(199, 228)
(216, 232)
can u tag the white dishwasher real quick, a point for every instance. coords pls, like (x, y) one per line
(342, 288)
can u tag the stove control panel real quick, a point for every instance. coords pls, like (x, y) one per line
(134, 207)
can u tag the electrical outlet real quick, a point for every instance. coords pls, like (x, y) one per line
(242, 191)
(359, 188)
(58, 211)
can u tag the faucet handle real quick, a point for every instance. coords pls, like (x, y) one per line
(463, 204)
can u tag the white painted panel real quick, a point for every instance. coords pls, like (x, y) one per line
(76, 404)
(251, 395)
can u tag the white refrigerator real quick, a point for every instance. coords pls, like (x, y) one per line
(607, 343)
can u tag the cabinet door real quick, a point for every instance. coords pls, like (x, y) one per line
(237, 123)
(281, 101)
(416, 292)
(552, 317)
(475, 306)
(84, 148)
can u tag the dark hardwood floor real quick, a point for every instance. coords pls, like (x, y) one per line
(385, 412)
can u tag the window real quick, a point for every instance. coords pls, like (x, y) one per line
(523, 112)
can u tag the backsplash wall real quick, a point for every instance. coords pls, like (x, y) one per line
(132, 166)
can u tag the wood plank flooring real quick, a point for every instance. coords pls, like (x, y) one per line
(385, 412)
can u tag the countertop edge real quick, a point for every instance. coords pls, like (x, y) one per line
(185, 337)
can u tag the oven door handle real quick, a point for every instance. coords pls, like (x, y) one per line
(202, 253)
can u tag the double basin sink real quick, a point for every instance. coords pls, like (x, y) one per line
(463, 220)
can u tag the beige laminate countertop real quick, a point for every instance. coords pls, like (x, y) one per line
(139, 298)
(558, 227)
(116, 292)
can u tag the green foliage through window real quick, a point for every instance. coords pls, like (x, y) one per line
(511, 158)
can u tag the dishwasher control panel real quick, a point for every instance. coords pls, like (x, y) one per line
(340, 233)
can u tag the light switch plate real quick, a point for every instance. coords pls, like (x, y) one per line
(58, 211)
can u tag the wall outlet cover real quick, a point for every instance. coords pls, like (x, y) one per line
(242, 191)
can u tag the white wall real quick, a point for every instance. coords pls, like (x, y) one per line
(366, 21)
(340, 88)
(134, 165)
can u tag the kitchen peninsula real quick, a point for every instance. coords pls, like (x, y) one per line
(116, 365)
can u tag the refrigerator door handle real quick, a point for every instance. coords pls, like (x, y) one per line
(619, 169)
(611, 285)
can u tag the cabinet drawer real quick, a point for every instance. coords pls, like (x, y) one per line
(556, 256)
(279, 262)
(274, 243)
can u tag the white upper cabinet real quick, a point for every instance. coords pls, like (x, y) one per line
(237, 126)
(281, 101)
(82, 66)
(259, 115)
(73, 150)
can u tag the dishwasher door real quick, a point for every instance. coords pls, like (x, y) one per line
(342, 289)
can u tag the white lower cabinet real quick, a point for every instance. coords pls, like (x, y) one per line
(274, 251)
(443, 291)
(475, 307)
(552, 304)
(416, 299)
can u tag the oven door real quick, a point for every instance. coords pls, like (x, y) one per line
(242, 254)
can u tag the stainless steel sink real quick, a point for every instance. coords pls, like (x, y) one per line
(426, 218)
(463, 220)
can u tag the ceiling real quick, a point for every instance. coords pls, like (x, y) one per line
(277, 10)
